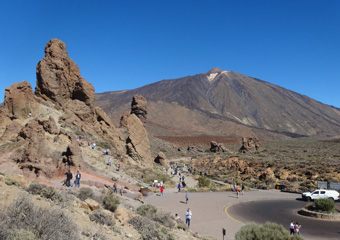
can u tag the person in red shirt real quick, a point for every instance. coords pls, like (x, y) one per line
(162, 189)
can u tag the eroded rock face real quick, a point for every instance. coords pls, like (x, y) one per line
(59, 79)
(63, 105)
(137, 143)
(19, 101)
(217, 147)
(249, 144)
(139, 107)
(161, 159)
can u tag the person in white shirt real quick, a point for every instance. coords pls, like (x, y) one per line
(188, 215)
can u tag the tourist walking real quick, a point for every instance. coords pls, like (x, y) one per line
(186, 198)
(121, 191)
(115, 188)
(179, 187)
(161, 189)
(77, 181)
(242, 188)
(291, 227)
(188, 215)
(297, 228)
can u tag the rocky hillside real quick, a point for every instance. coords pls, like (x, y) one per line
(225, 103)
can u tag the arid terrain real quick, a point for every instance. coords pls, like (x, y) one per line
(227, 126)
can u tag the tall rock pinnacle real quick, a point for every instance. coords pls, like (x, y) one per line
(59, 79)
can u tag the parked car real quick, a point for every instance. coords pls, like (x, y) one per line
(319, 194)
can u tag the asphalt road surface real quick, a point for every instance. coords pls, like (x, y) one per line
(282, 212)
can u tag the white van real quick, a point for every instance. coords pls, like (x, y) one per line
(321, 193)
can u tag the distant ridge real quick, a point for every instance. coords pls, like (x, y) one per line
(226, 103)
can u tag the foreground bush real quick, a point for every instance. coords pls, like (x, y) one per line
(150, 229)
(102, 218)
(111, 202)
(44, 223)
(272, 231)
(324, 205)
(85, 193)
(152, 213)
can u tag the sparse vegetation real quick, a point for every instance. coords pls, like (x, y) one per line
(101, 218)
(44, 223)
(85, 193)
(273, 231)
(152, 213)
(111, 202)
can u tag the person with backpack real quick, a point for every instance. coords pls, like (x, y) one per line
(69, 177)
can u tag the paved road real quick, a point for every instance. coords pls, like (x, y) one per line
(282, 212)
(208, 216)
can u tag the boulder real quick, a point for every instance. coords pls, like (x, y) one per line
(217, 147)
(19, 101)
(93, 205)
(249, 144)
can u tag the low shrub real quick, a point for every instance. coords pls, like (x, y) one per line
(273, 231)
(44, 191)
(85, 193)
(45, 223)
(324, 205)
(102, 218)
(149, 229)
(22, 234)
(181, 225)
(152, 213)
(203, 181)
(111, 202)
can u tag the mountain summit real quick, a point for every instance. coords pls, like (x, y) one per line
(226, 103)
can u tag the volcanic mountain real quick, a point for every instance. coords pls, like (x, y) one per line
(227, 105)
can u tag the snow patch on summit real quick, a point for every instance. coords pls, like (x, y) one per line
(212, 76)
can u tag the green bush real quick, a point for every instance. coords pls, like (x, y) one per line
(102, 218)
(85, 193)
(45, 223)
(35, 188)
(324, 205)
(203, 181)
(273, 231)
(111, 202)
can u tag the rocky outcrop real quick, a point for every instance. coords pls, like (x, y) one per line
(59, 79)
(217, 147)
(161, 159)
(44, 125)
(139, 107)
(249, 144)
(137, 142)
(20, 101)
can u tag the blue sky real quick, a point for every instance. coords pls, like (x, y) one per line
(127, 44)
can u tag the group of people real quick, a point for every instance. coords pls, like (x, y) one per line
(69, 177)
(188, 215)
(294, 228)
(237, 190)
